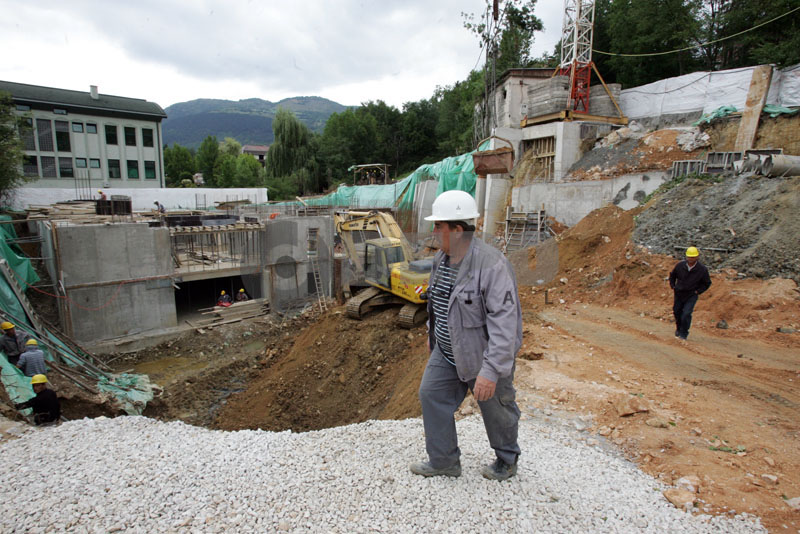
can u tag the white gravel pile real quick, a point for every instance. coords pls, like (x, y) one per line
(133, 474)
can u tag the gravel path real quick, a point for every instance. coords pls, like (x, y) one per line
(133, 474)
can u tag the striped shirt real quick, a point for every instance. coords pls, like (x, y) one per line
(440, 298)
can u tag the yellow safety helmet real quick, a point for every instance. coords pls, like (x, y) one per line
(6, 325)
(38, 379)
(99, 190)
(222, 292)
(241, 290)
(692, 252)
(31, 342)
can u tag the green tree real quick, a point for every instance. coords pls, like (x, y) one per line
(507, 42)
(388, 132)
(178, 163)
(11, 156)
(647, 26)
(248, 172)
(207, 159)
(349, 138)
(231, 147)
(292, 151)
(419, 133)
(777, 42)
(225, 171)
(456, 115)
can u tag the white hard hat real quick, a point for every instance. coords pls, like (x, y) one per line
(454, 206)
(155, 202)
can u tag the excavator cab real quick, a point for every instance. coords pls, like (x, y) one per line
(393, 281)
(379, 258)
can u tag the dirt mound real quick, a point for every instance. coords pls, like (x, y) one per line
(749, 224)
(341, 371)
(654, 152)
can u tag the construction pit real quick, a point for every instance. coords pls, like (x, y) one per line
(599, 356)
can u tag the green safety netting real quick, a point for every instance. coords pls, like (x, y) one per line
(13, 254)
(457, 172)
(131, 392)
(722, 111)
(774, 111)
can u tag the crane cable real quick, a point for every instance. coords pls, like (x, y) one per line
(699, 45)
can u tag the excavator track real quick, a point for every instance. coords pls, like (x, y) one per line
(355, 306)
(412, 315)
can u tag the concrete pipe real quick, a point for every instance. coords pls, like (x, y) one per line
(751, 163)
(781, 165)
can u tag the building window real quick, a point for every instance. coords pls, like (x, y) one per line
(59, 111)
(113, 169)
(111, 134)
(77, 127)
(49, 167)
(44, 128)
(26, 134)
(133, 169)
(150, 170)
(94, 163)
(29, 166)
(65, 168)
(80, 163)
(23, 107)
(91, 128)
(62, 136)
(130, 136)
(147, 137)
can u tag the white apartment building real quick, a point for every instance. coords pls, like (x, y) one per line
(88, 140)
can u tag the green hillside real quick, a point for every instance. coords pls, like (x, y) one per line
(249, 121)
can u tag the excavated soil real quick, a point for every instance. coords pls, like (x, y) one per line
(598, 333)
(750, 224)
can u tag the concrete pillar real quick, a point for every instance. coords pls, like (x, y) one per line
(494, 211)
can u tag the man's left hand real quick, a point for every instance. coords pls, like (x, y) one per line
(484, 389)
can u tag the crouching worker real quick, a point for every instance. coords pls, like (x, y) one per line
(32, 360)
(46, 408)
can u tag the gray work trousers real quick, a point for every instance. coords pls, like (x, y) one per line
(441, 393)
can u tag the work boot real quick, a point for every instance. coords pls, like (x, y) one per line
(499, 470)
(427, 470)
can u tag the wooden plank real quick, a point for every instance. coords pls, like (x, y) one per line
(756, 98)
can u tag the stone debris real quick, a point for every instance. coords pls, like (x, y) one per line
(772, 479)
(657, 422)
(629, 404)
(794, 504)
(769, 461)
(689, 483)
(680, 498)
(140, 475)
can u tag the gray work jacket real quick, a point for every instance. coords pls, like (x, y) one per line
(484, 315)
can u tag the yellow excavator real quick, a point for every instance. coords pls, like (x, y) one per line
(384, 263)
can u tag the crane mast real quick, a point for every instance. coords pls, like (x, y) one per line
(576, 51)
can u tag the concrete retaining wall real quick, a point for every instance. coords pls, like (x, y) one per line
(287, 260)
(171, 198)
(569, 202)
(113, 260)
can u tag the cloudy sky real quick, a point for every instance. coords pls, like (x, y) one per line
(169, 51)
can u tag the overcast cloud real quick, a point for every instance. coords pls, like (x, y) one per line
(169, 51)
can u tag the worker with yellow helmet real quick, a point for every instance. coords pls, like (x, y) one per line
(241, 296)
(45, 405)
(12, 343)
(31, 362)
(688, 280)
(224, 299)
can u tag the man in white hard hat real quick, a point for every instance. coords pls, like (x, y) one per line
(475, 331)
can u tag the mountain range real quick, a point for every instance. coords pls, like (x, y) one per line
(248, 121)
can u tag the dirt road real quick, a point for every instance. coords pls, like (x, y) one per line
(724, 408)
